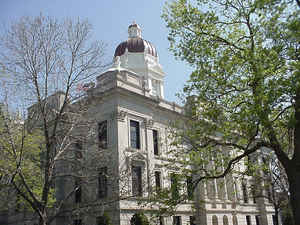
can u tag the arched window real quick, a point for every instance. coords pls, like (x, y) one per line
(214, 220)
(234, 220)
(225, 220)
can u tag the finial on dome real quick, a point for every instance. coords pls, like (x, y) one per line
(134, 30)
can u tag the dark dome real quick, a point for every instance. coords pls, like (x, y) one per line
(136, 44)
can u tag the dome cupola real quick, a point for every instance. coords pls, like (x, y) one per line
(140, 57)
(135, 43)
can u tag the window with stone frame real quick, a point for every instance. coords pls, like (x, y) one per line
(253, 191)
(155, 142)
(157, 175)
(248, 220)
(245, 193)
(102, 183)
(214, 220)
(155, 87)
(225, 220)
(192, 220)
(176, 220)
(257, 219)
(135, 141)
(137, 188)
(102, 134)
(161, 220)
(175, 185)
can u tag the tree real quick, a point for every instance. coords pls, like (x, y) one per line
(244, 93)
(46, 61)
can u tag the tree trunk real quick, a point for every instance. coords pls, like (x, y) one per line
(293, 170)
(43, 219)
(294, 183)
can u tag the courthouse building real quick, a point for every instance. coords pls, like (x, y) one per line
(133, 118)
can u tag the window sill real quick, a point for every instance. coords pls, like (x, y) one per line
(130, 149)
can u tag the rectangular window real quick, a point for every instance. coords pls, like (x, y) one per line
(157, 180)
(192, 220)
(190, 189)
(174, 186)
(134, 134)
(102, 183)
(268, 191)
(176, 220)
(248, 220)
(245, 194)
(77, 191)
(102, 134)
(161, 220)
(155, 142)
(137, 181)
(257, 219)
(155, 87)
(253, 194)
(77, 222)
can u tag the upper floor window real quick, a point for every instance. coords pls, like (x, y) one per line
(157, 180)
(137, 189)
(135, 134)
(175, 186)
(155, 87)
(102, 134)
(155, 142)
(176, 220)
(102, 183)
(253, 194)
(161, 220)
(245, 193)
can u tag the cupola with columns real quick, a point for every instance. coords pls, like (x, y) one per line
(140, 56)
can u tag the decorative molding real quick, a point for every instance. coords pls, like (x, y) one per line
(148, 123)
(119, 115)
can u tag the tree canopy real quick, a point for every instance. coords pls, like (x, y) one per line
(244, 93)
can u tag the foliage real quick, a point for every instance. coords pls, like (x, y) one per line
(46, 59)
(244, 93)
(139, 219)
(105, 219)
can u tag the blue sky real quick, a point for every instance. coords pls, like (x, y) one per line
(110, 20)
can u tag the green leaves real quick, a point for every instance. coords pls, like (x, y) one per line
(243, 73)
(245, 82)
